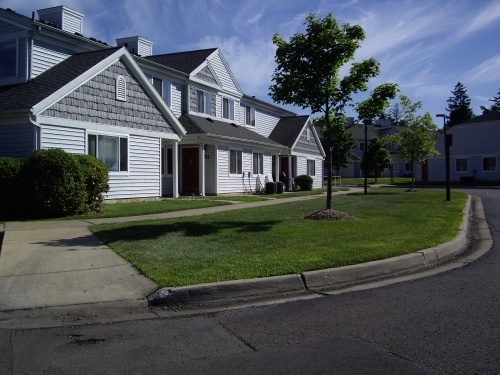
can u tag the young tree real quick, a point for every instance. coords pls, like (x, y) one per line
(341, 145)
(415, 142)
(308, 73)
(459, 106)
(376, 158)
(372, 108)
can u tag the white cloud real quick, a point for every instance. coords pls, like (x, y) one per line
(488, 15)
(487, 71)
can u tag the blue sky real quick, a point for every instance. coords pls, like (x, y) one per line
(425, 46)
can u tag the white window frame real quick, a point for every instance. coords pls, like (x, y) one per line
(120, 150)
(237, 171)
(258, 168)
(205, 105)
(490, 157)
(16, 67)
(167, 165)
(227, 108)
(121, 89)
(249, 115)
(467, 165)
(313, 169)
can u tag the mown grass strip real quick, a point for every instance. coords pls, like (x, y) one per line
(275, 240)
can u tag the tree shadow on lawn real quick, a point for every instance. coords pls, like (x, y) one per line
(149, 231)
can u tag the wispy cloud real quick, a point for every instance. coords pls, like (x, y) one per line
(486, 16)
(487, 71)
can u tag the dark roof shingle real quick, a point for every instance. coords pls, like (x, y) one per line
(27, 95)
(185, 62)
(201, 125)
(288, 130)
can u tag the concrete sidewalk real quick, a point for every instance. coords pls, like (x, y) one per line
(61, 263)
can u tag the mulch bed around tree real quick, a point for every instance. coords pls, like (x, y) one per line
(329, 214)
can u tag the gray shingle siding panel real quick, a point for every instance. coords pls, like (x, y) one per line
(95, 102)
(307, 146)
(206, 75)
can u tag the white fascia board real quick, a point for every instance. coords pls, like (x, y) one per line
(98, 68)
(130, 61)
(226, 65)
(231, 141)
(200, 68)
(316, 136)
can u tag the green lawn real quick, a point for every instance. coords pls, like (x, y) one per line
(380, 180)
(275, 240)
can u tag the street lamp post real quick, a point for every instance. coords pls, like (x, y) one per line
(447, 155)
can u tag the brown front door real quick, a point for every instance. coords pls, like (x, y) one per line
(425, 171)
(284, 167)
(190, 170)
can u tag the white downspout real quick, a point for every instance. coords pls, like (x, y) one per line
(175, 169)
(37, 135)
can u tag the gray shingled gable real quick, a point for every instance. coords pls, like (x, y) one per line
(27, 95)
(208, 126)
(288, 130)
(185, 62)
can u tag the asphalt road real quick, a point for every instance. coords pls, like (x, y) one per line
(445, 324)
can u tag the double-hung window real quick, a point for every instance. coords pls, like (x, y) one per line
(111, 150)
(250, 116)
(461, 164)
(228, 108)
(490, 163)
(235, 162)
(8, 60)
(158, 85)
(311, 167)
(203, 102)
(166, 161)
(258, 163)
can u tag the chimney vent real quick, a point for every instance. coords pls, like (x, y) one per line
(64, 18)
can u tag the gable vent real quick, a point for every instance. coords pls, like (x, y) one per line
(121, 89)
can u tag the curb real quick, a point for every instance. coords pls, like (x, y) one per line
(322, 280)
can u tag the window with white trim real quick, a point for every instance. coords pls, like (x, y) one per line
(203, 102)
(250, 116)
(121, 89)
(166, 161)
(158, 85)
(361, 146)
(111, 150)
(461, 165)
(258, 163)
(311, 167)
(228, 108)
(235, 162)
(8, 59)
(489, 163)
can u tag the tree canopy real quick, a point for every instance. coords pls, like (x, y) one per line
(416, 142)
(376, 158)
(308, 74)
(459, 106)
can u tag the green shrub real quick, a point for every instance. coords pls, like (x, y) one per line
(54, 184)
(96, 178)
(10, 186)
(304, 182)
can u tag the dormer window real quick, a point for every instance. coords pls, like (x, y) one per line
(228, 108)
(8, 60)
(250, 116)
(203, 102)
(121, 89)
